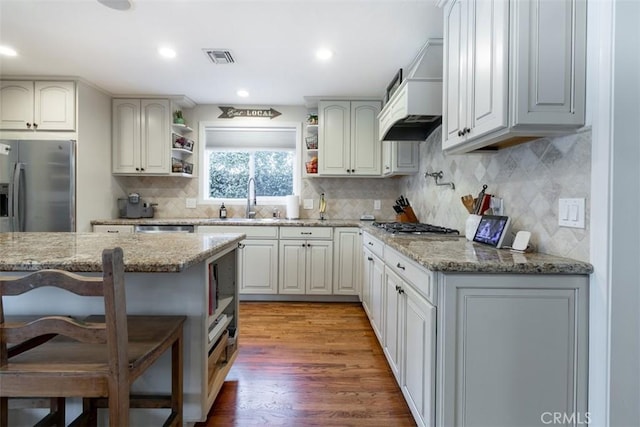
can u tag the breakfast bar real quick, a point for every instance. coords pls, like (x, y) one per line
(188, 274)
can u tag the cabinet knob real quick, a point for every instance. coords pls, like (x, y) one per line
(137, 169)
(370, 243)
(240, 246)
(28, 125)
(400, 266)
(369, 258)
(460, 133)
(401, 291)
(467, 130)
(142, 169)
(35, 126)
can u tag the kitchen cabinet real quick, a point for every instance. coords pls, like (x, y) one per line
(373, 291)
(113, 229)
(257, 257)
(37, 105)
(347, 248)
(141, 136)
(400, 157)
(306, 261)
(514, 71)
(181, 151)
(348, 143)
(515, 346)
(410, 332)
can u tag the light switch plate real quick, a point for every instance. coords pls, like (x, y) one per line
(191, 203)
(307, 204)
(571, 213)
(376, 205)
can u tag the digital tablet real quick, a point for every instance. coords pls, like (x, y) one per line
(493, 230)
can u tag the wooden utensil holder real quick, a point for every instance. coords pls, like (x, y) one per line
(407, 216)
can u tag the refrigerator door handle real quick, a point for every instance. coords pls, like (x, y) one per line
(14, 201)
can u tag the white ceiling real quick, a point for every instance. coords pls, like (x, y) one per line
(273, 43)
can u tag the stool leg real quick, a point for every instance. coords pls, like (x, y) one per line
(176, 379)
(4, 411)
(58, 407)
(89, 407)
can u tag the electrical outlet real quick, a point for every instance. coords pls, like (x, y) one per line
(307, 204)
(191, 203)
(376, 205)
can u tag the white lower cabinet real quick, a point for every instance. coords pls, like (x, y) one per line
(346, 267)
(113, 229)
(258, 266)
(306, 267)
(257, 257)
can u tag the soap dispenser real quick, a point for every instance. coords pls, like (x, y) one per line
(223, 211)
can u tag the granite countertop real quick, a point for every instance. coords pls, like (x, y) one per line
(232, 221)
(454, 254)
(82, 252)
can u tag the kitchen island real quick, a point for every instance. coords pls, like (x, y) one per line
(188, 274)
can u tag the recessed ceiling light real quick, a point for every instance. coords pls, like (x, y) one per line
(242, 93)
(324, 54)
(167, 52)
(116, 4)
(7, 51)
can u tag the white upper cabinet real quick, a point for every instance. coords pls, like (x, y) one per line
(348, 143)
(400, 157)
(141, 136)
(39, 105)
(513, 71)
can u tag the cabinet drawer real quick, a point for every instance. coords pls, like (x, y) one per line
(113, 228)
(373, 244)
(421, 278)
(251, 232)
(306, 232)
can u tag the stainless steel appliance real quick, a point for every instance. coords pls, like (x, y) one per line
(37, 185)
(134, 207)
(164, 228)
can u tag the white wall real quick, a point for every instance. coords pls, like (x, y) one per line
(96, 189)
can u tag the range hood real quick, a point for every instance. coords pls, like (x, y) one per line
(414, 110)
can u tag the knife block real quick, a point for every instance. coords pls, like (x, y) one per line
(407, 216)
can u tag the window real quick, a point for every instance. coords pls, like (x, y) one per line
(234, 155)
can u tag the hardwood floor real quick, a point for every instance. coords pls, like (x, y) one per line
(308, 364)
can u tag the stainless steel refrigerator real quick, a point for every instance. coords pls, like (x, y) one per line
(37, 185)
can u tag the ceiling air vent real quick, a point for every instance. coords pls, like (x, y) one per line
(219, 56)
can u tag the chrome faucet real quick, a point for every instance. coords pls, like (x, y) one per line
(250, 213)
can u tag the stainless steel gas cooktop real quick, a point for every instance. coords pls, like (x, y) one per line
(413, 228)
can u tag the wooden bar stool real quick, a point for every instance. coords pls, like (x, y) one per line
(60, 356)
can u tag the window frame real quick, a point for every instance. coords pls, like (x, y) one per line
(203, 178)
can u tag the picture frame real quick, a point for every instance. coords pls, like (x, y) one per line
(188, 145)
(393, 85)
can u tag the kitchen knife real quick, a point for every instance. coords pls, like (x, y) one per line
(398, 209)
(478, 205)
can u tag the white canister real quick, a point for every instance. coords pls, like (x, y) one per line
(471, 225)
(293, 207)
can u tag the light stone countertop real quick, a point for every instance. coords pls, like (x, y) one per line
(454, 254)
(446, 253)
(82, 252)
(233, 221)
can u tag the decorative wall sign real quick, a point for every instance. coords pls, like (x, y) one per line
(232, 112)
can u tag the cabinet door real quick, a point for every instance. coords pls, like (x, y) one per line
(346, 279)
(155, 136)
(16, 104)
(292, 263)
(487, 71)
(55, 105)
(550, 62)
(126, 136)
(258, 267)
(419, 352)
(377, 297)
(455, 73)
(334, 128)
(319, 266)
(366, 148)
(393, 320)
(367, 274)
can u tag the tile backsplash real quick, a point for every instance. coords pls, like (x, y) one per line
(530, 178)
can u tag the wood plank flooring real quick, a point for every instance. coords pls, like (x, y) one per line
(308, 364)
